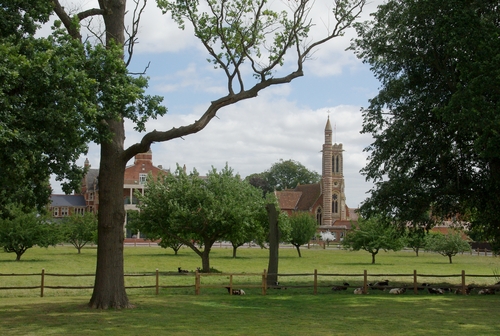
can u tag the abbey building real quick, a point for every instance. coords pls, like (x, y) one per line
(325, 200)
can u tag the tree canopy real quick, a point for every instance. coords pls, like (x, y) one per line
(283, 175)
(198, 211)
(372, 235)
(436, 118)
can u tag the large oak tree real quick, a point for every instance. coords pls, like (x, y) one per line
(436, 120)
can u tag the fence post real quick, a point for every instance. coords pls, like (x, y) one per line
(365, 281)
(197, 283)
(264, 282)
(315, 281)
(157, 281)
(463, 283)
(230, 284)
(42, 282)
(415, 285)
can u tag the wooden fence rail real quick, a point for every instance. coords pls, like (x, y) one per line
(198, 276)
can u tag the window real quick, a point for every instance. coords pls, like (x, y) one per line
(335, 204)
(64, 211)
(55, 212)
(319, 216)
(79, 211)
(91, 196)
(142, 178)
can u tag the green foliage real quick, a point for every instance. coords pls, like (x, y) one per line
(372, 235)
(198, 211)
(283, 175)
(303, 229)
(20, 230)
(435, 120)
(55, 95)
(79, 230)
(415, 238)
(447, 245)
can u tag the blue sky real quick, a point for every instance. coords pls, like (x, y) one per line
(283, 122)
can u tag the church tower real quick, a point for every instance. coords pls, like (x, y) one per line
(334, 207)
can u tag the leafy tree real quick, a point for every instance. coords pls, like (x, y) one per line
(372, 235)
(21, 230)
(447, 245)
(43, 126)
(303, 228)
(241, 38)
(199, 211)
(415, 238)
(79, 230)
(259, 180)
(435, 120)
(288, 174)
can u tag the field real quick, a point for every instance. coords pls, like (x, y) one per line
(294, 311)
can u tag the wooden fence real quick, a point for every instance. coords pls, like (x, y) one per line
(198, 276)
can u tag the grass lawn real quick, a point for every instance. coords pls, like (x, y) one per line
(294, 311)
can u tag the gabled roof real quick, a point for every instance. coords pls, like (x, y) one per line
(310, 194)
(67, 200)
(288, 199)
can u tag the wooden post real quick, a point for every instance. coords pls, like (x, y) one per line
(463, 283)
(365, 282)
(197, 283)
(315, 281)
(264, 282)
(42, 282)
(415, 285)
(157, 282)
(231, 284)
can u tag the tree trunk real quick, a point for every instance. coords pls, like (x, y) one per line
(234, 251)
(449, 257)
(298, 250)
(205, 259)
(109, 286)
(373, 258)
(272, 268)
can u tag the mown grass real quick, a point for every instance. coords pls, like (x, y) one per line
(294, 311)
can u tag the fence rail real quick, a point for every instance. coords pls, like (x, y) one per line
(198, 276)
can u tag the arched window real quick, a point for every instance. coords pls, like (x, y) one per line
(335, 204)
(337, 165)
(319, 216)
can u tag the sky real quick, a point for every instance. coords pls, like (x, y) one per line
(283, 122)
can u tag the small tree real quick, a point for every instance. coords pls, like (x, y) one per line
(447, 245)
(415, 238)
(199, 211)
(21, 230)
(303, 228)
(372, 235)
(79, 230)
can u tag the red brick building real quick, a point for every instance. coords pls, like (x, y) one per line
(325, 200)
(88, 199)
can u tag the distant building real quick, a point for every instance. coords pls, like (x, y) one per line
(65, 205)
(88, 199)
(325, 200)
